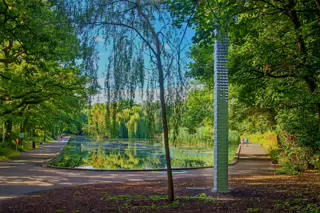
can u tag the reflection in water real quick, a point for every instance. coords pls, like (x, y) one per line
(131, 155)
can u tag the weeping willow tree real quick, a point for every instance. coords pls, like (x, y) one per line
(144, 53)
(97, 120)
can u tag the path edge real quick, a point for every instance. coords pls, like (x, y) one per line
(235, 161)
(47, 162)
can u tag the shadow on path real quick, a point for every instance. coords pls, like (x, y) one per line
(25, 174)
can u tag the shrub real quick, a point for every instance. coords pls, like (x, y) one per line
(268, 140)
(315, 161)
(234, 138)
(7, 152)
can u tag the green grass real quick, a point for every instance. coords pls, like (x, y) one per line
(232, 153)
(27, 143)
(130, 201)
(8, 151)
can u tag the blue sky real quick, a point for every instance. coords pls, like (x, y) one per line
(104, 54)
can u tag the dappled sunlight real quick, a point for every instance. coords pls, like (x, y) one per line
(67, 183)
(14, 162)
(227, 199)
(6, 167)
(104, 181)
(24, 182)
(135, 179)
(5, 197)
(40, 154)
(34, 177)
(38, 161)
(31, 180)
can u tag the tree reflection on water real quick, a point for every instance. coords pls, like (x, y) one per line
(130, 155)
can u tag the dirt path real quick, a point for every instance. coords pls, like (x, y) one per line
(25, 174)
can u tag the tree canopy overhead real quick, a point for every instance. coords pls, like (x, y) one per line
(41, 63)
(274, 64)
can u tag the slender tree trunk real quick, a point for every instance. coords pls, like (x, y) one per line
(8, 127)
(23, 129)
(157, 53)
(8, 122)
(3, 133)
(164, 120)
(165, 132)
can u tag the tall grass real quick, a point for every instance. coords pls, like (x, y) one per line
(203, 137)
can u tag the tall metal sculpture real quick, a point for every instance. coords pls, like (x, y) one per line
(221, 129)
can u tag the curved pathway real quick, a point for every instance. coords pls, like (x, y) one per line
(25, 174)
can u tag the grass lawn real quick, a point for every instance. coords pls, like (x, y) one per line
(7, 152)
(249, 194)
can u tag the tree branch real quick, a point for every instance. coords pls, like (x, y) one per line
(127, 26)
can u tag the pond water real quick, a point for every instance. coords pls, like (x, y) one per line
(124, 154)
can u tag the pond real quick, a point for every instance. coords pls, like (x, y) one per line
(124, 154)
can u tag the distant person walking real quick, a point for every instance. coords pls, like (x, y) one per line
(247, 140)
(242, 141)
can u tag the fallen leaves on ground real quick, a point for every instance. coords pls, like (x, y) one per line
(248, 194)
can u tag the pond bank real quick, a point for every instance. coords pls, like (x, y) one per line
(25, 174)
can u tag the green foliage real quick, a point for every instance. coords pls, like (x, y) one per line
(273, 62)
(199, 108)
(37, 61)
(42, 79)
(70, 157)
(315, 161)
(297, 206)
(132, 202)
(268, 140)
(123, 120)
(289, 169)
(253, 210)
(202, 135)
(7, 153)
(234, 138)
(295, 159)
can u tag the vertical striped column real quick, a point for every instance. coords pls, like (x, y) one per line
(221, 128)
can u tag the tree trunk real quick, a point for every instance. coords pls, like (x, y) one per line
(44, 135)
(3, 133)
(166, 135)
(157, 53)
(23, 129)
(8, 129)
(165, 126)
(8, 122)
